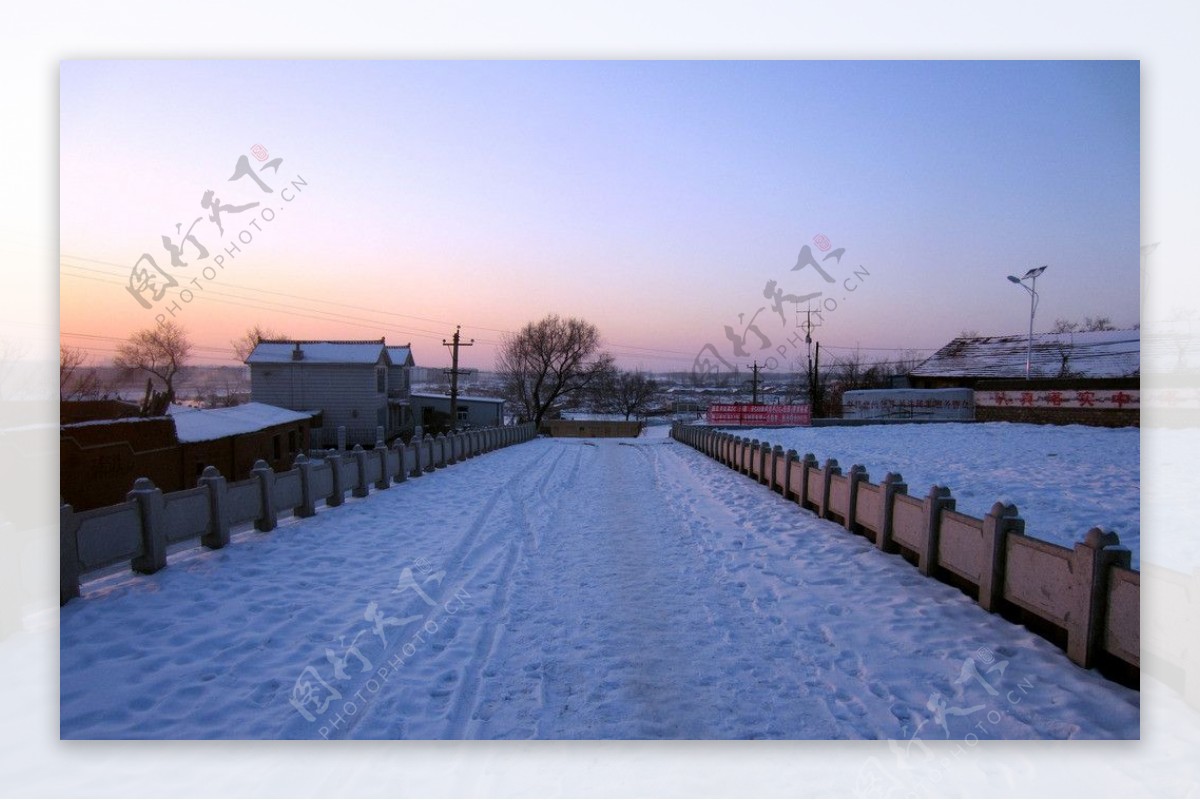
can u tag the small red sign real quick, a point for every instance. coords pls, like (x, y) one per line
(259, 152)
(822, 242)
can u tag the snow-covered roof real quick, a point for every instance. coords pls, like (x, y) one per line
(401, 355)
(1090, 354)
(318, 352)
(206, 424)
(463, 397)
(114, 421)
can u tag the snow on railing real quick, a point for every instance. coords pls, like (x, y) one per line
(139, 530)
(1085, 599)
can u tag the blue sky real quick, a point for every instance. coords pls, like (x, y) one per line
(655, 199)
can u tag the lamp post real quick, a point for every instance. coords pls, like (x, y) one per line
(1031, 276)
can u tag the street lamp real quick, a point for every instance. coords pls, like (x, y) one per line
(1032, 277)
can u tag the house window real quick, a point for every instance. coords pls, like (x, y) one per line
(380, 381)
(276, 443)
(462, 413)
(291, 441)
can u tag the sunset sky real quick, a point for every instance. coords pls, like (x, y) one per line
(654, 199)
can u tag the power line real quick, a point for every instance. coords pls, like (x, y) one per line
(661, 353)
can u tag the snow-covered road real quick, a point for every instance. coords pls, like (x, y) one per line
(564, 589)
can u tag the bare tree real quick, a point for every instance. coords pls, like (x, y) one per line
(245, 345)
(1097, 323)
(549, 361)
(1064, 326)
(73, 382)
(626, 392)
(160, 351)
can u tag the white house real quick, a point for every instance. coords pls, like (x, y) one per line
(352, 384)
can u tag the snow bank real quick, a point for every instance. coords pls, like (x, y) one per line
(1063, 479)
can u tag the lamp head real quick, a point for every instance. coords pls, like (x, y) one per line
(1014, 279)
(1033, 273)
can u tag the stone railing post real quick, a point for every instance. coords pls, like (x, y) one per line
(217, 535)
(1098, 551)
(808, 463)
(416, 446)
(151, 510)
(266, 491)
(997, 524)
(831, 469)
(337, 494)
(341, 438)
(427, 456)
(401, 474)
(764, 455)
(893, 484)
(778, 469)
(856, 475)
(360, 459)
(937, 501)
(440, 444)
(789, 463)
(385, 474)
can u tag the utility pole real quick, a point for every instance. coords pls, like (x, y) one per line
(818, 396)
(808, 326)
(454, 372)
(754, 384)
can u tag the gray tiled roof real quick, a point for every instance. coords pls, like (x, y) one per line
(1093, 354)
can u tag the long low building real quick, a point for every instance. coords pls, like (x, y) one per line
(1084, 377)
(100, 459)
(432, 411)
(1082, 356)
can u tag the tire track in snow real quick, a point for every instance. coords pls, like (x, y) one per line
(481, 545)
(464, 711)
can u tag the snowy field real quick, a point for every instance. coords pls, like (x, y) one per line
(564, 589)
(1064, 479)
